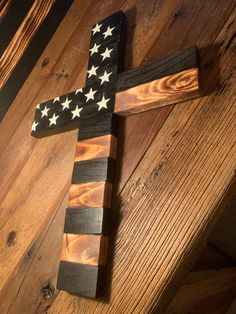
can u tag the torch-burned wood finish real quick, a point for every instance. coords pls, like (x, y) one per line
(85, 249)
(103, 146)
(92, 194)
(158, 93)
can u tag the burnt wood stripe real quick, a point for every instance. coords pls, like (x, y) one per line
(92, 194)
(84, 280)
(32, 53)
(13, 17)
(95, 170)
(85, 249)
(173, 63)
(102, 146)
(161, 92)
(87, 220)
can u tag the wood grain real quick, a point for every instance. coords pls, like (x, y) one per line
(161, 92)
(25, 43)
(22, 38)
(208, 291)
(85, 249)
(102, 146)
(92, 194)
(45, 165)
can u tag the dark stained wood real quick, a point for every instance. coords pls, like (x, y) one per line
(85, 249)
(171, 89)
(85, 280)
(99, 169)
(171, 64)
(87, 220)
(34, 39)
(92, 194)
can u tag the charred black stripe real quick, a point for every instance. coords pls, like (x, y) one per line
(171, 64)
(94, 170)
(87, 220)
(84, 280)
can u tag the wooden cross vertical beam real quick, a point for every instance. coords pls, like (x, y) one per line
(85, 243)
(167, 81)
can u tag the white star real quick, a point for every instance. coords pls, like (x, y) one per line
(92, 71)
(108, 32)
(66, 103)
(105, 77)
(106, 54)
(56, 99)
(53, 119)
(45, 111)
(76, 112)
(96, 28)
(103, 103)
(78, 91)
(38, 106)
(94, 49)
(34, 126)
(90, 94)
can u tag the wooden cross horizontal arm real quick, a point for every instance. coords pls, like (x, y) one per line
(93, 109)
(170, 80)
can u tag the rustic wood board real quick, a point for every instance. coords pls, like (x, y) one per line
(25, 30)
(20, 153)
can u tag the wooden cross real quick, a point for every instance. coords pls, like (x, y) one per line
(93, 109)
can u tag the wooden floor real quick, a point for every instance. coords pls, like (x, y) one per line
(176, 163)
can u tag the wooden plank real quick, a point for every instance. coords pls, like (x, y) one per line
(223, 235)
(103, 146)
(83, 279)
(87, 220)
(32, 42)
(209, 291)
(171, 89)
(94, 170)
(84, 249)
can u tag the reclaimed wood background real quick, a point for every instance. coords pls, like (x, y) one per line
(177, 162)
(26, 26)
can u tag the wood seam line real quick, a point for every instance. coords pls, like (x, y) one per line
(22, 38)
